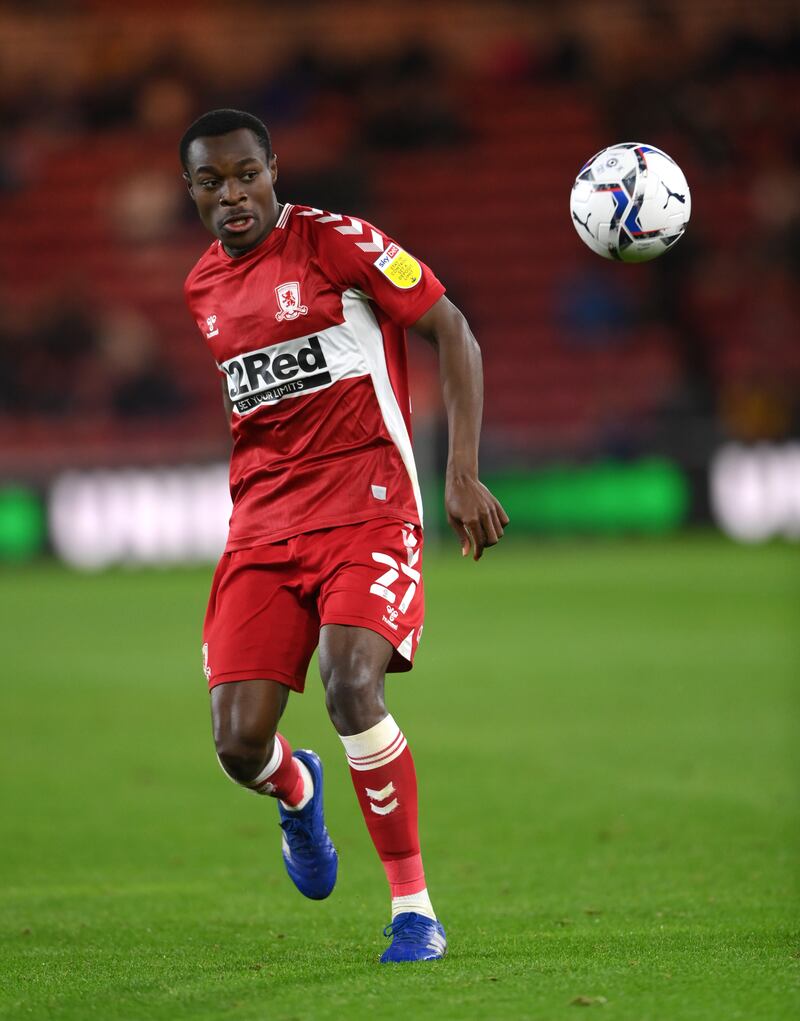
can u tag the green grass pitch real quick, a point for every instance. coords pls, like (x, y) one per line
(607, 741)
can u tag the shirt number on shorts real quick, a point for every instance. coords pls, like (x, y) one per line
(381, 586)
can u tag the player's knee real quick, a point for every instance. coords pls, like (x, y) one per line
(242, 755)
(353, 698)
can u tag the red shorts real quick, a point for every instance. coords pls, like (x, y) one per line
(268, 603)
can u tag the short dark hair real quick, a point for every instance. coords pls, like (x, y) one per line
(220, 122)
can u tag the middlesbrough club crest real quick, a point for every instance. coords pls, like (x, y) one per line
(289, 306)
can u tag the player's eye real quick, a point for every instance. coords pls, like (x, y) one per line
(209, 183)
(248, 175)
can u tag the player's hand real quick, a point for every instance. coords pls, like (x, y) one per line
(474, 514)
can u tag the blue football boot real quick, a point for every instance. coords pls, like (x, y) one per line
(308, 853)
(414, 938)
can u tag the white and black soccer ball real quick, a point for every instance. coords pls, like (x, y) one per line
(630, 202)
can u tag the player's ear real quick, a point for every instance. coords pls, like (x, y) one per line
(188, 181)
(273, 167)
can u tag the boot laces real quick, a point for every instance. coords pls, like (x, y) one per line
(299, 834)
(409, 930)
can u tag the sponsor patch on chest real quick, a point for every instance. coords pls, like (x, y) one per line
(268, 375)
(398, 266)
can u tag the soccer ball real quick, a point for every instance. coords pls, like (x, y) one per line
(630, 202)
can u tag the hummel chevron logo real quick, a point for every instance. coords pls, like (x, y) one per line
(376, 245)
(356, 228)
(382, 795)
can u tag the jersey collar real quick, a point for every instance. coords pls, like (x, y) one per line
(269, 241)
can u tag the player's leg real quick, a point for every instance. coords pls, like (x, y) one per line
(353, 663)
(244, 716)
(259, 635)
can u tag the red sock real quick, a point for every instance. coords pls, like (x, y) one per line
(386, 785)
(281, 777)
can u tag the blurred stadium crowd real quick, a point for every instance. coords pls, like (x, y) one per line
(458, 127)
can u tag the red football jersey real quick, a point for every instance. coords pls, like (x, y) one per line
(308, 329)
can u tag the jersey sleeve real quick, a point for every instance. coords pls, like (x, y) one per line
(355, 254)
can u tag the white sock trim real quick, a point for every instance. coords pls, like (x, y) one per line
(259, 785)
(419, 902)
(375, 747)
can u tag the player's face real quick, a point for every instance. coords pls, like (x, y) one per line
(232, 185)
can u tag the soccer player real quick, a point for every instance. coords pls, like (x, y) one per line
(305, 313)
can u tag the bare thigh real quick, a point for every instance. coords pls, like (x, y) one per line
(352, 663)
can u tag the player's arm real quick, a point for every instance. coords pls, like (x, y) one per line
(474, 514)
(227, 403)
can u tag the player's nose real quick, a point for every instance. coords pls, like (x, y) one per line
(232, 192)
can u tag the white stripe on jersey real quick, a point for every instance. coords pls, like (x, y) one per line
(284, 215)
(367, 332)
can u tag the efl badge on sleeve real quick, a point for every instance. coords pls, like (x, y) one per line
(289, 306)
(398, 266)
